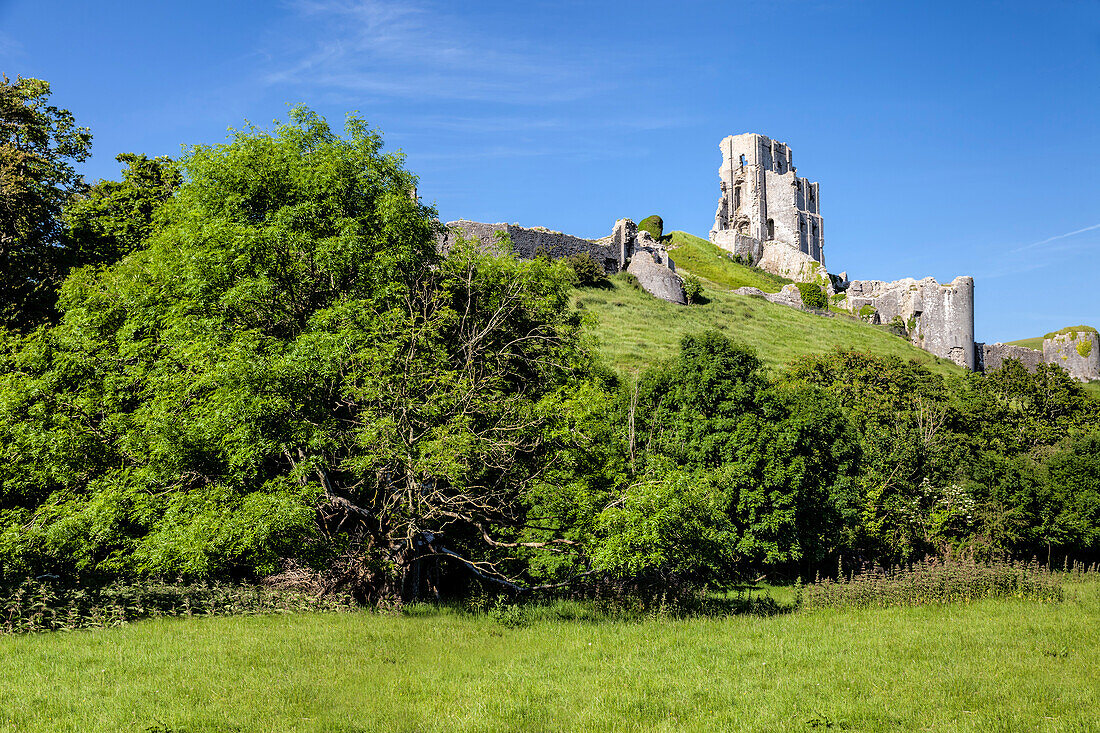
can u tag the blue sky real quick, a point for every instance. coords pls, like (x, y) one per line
(948, 137)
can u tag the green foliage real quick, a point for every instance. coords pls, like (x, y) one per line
(897, 327)
(693, 289)
(654, 225)
(287, 370)
(114, 218)
(39, 147)
(1072, 332)
(1084, 347)
(813, 296)
(867, 312)
(588, 271)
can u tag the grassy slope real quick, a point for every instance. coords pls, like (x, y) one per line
(635, 328)
(701, 258)
(994, 665)
(1035, 343)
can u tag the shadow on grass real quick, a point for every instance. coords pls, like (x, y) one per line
(740, 601)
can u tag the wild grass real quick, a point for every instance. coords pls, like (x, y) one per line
(37, 605)
(634, 329)
(996, 664)
(1032, 343)
(706, 260)
(933, 581)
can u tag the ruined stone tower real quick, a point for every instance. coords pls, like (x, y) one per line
(764, 201)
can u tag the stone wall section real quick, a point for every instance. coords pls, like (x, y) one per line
(1078, 352)
(938, 318)
(647, 258)
(527, 242)
(991, 357)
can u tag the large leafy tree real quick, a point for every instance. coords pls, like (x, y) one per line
(39, 145)
(114, 218)
(289, 370)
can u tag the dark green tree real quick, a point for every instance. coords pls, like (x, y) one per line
(39, 146)
(113, 218)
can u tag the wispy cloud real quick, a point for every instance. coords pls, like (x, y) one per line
(410, 49)
(9, 47)
(1055, 238)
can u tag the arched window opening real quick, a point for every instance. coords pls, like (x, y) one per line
(737, 197)
(771, 229)
(742, 161)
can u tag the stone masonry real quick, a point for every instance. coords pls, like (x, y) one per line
(767, 213)
(1076, 350)
(938, 318)
(991, 357)
(625, 249)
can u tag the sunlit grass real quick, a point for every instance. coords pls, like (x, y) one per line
(708, 261)
(634, 328)
(993, 665)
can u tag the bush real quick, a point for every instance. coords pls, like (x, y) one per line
(587, 269)
(812, 295)
(896, 326)
(693, 289)
(654, 225)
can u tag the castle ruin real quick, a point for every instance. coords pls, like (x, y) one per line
(767, 214)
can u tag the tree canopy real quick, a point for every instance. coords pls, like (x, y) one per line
(39, 145)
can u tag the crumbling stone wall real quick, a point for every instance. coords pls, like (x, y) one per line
(991, 357)
(527, 242)
(1077, 351)
(938, 318)
(648, 259)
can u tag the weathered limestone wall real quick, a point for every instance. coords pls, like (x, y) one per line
(991, 357)
(938, 318)
(1078, 352)
(526, 242)
(780, 259)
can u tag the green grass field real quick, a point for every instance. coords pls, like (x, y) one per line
(634, 328)
(992, 666)
(705, 260)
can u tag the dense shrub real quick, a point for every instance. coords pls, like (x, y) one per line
(812, 295)
(693, 289)
(654, 225)
(588, 270)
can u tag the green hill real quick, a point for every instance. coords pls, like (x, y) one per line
(705, 260)
(635, 329)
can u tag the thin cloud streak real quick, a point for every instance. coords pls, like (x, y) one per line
(411, 50)
(1033, 245)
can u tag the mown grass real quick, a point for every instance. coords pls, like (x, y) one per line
(705, 260)
(1007, 665)
(634, 329)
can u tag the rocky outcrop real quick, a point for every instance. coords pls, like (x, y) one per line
(789, 295)
(1077, 350)
(786, 261)
(655, 271)
(991, 357)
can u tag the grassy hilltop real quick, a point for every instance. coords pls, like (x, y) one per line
(634, 328)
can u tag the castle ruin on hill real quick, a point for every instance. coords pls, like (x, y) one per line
(770, 217)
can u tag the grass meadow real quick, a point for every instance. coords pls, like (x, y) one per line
(1005, 665)
(634, 328)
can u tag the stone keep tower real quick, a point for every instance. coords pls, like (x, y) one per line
(764, 200)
